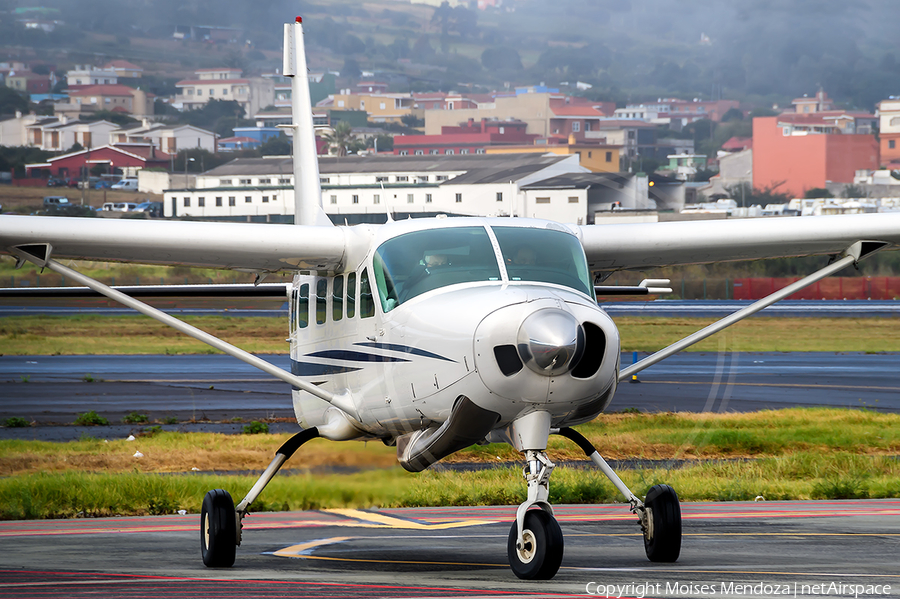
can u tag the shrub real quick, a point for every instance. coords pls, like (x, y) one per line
(135, 418)
(16, 422)
(256, 427)
(91, 418)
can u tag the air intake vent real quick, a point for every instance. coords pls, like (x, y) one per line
(508, 359)
(594, 348)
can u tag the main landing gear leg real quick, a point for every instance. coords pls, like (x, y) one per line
(659, 514)
(220, 520)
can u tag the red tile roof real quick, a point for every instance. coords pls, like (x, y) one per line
(737, 143)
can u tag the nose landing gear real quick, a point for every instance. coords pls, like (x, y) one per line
(535, 545)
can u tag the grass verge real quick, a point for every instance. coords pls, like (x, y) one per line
(96, 334)
(805, 475)
(771, 433)
(797, 454)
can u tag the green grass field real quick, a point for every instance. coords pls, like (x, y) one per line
(94, 334)
(786, 454)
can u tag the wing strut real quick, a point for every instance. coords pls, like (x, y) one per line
(341, 401)
(853, 254)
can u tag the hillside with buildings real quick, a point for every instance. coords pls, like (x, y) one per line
(584, 111)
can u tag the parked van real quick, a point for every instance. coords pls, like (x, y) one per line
(126, 185)
(56, 202)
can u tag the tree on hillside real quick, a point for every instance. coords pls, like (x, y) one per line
(11, 101)
(340, 138)
(276, 146)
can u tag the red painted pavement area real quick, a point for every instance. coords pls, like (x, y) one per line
(435, 515)
(25, 584)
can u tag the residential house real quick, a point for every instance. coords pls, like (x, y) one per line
(110, 159)
(84, 75)
(547, 114)
(237, 143)
(252, 93)
(597, 157)
(57, 134)
(114, 98)
(28, 82)
(170, 139)
(889, 132)
(381, 108)
(677, 113)
(124, 69)
(792, 160)
(465, 138)
(636, 138)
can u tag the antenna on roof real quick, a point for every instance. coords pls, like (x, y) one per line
(307, 190)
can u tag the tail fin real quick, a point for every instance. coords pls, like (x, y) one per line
(307, 191)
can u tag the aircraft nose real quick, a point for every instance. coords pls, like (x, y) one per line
(550, 342)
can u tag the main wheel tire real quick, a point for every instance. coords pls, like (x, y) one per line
(218, 530)
(542, 554)
(662, 538)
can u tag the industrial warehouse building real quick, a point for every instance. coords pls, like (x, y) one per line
(357, 189)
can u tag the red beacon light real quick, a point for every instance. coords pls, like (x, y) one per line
(298, 19)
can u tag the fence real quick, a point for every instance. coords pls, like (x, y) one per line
(830, 288)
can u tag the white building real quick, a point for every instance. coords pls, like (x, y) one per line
(170, 139)
(225, 84)
(365, 188)
(88, 75)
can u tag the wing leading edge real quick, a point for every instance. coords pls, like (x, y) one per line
(245, 246)
(645, 245)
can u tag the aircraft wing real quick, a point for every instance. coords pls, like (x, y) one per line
(244, 246)
(646, 245)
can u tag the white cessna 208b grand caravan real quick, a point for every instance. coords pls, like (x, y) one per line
(434, 334)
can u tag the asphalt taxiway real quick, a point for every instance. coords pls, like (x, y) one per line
(202, 388)
(762, 549)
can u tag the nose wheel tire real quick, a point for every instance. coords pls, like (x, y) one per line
(662, 534)
(542, 553)
(218, 530)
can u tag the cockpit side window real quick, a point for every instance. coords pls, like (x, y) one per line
(303, 306)
(544, 256)
(415, 263)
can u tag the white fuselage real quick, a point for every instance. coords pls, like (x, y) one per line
(405, 364)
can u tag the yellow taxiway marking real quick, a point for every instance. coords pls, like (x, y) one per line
(797, 385)
(299, 550)
(375, 520)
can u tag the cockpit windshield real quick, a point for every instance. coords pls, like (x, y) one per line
(412, 264)
(544, 255)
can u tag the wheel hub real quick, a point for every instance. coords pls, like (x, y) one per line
(527, 551)
(206, 531)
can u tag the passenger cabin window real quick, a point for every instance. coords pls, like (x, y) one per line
(351, 295)
(303, 306)
(415, 263)
(337, 298)
(321, 300)
(366, 301)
